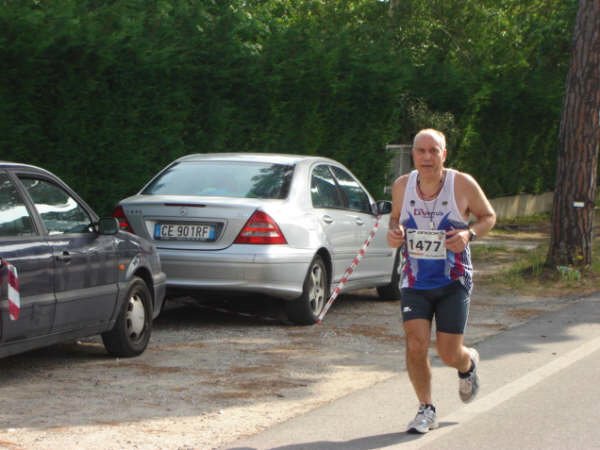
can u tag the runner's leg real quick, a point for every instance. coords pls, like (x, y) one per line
(418, 338)
(451, 350)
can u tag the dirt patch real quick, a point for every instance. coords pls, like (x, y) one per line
(525, 313)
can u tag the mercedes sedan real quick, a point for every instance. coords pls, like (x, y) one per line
(66, 274)
(287, 226)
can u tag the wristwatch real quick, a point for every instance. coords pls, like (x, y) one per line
(472, 235)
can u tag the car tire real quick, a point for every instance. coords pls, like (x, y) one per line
(392, 291)
(305, 309)
(131, 332)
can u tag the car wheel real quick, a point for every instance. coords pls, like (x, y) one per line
(131, 332)
(305, 310)
(392, 291)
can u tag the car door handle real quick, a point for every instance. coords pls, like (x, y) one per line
(327, 219)
(64, 257)
(359, 221)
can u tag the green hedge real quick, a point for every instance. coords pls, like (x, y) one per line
(104, 93)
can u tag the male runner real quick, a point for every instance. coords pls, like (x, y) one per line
(431, 210)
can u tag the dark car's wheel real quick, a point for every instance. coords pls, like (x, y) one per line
(305, 310)
(392, 291)
(131, 332)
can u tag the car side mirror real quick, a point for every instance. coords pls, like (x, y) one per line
(384, 207)
(107, 225)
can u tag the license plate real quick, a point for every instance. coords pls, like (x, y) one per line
(184, 232)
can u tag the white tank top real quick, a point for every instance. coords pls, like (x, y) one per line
(425, 265)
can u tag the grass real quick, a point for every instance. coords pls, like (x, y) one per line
(534, 222)
(525, 269)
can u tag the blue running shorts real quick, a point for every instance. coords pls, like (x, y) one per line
(449, 304)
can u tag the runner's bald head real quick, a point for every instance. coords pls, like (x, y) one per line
(438, 136)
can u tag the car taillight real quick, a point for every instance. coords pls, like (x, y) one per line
(119, 214)
(260, 229)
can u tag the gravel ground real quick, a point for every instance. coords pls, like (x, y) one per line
(211, 376)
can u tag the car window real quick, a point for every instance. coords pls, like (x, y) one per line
(15, 219)
(224, 179)
(323, 189)
(59, 211)
(357, 198)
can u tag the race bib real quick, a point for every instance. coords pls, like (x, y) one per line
(426, 244)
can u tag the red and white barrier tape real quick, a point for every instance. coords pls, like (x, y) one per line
(14, 296)
(349, 270)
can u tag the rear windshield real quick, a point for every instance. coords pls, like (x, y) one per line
(224, 179)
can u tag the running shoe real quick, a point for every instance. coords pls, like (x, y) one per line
(469, 385)
(424, 421)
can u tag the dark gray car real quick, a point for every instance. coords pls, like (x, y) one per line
(78, 275)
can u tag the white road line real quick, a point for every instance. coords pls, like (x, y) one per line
(490, 401)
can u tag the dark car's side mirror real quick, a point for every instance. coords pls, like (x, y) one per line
(384, 207)
(107, 225)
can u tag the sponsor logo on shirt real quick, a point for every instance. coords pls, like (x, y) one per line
(425, 213)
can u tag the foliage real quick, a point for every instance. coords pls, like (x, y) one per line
(499, 67)
(105, 93)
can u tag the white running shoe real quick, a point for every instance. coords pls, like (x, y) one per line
(469, 386)
(424, 421)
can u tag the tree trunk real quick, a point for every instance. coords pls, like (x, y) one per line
(579, 138)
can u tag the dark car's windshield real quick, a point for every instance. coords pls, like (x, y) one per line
(224, 179)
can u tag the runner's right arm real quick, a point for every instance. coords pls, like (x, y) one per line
(395, 235)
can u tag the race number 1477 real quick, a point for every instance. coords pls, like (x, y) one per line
(426, 244)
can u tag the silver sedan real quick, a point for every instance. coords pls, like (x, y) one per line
(287, 226)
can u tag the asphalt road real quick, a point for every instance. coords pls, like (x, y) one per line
(539, 391)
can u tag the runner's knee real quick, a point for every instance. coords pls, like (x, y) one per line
(417, 346)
